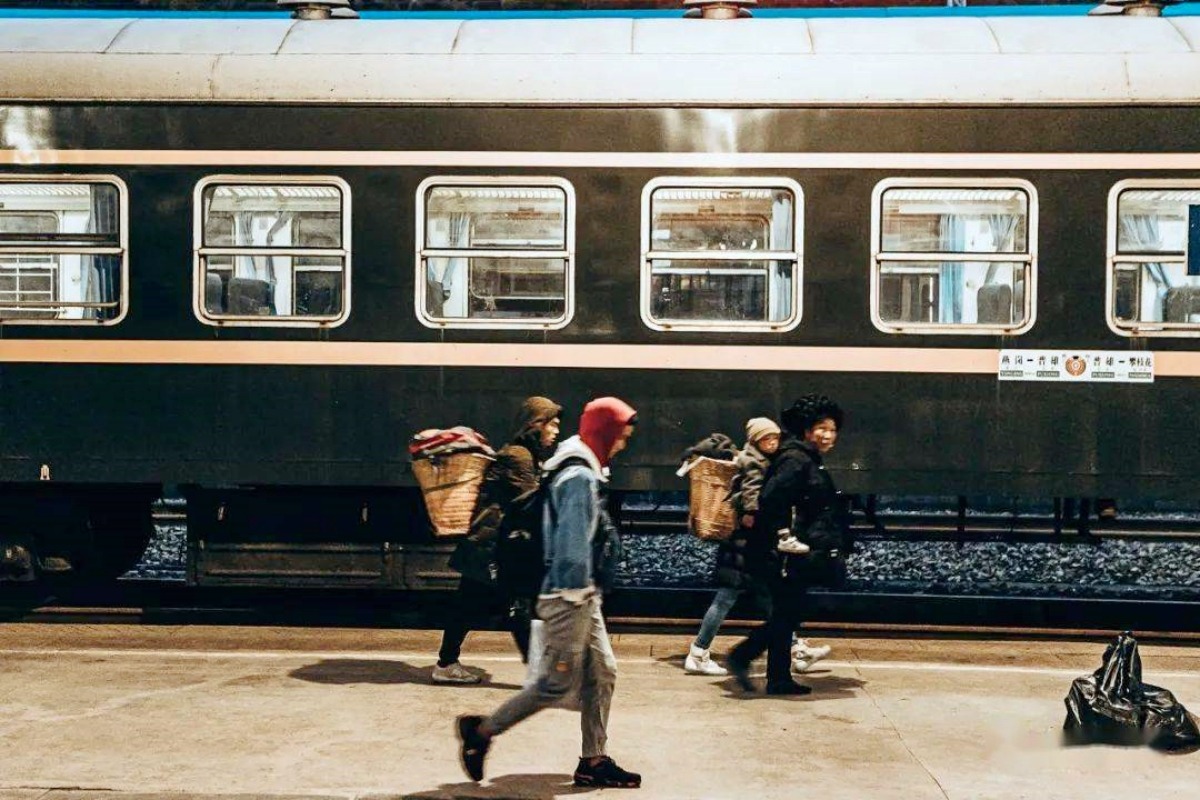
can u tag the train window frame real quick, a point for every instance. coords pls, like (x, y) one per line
(1029, 257)
(567, 254)
(795, 255)
(1151, 329)
(201, 252)
(120, 250)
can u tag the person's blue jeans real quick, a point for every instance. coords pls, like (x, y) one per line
(719, 608)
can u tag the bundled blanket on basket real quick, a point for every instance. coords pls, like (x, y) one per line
(438, 442)
(716, 446)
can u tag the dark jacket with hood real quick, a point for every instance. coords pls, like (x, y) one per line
(798, 493)
(516, 470)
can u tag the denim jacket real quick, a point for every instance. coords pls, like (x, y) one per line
(571, 519)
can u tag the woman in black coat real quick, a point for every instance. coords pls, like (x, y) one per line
(798, 494)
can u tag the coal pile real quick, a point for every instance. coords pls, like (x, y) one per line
(1099, 568)
(1107, 568)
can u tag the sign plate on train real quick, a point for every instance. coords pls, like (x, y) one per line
(1077, 366)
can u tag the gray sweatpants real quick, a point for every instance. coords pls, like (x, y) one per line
(577, 658)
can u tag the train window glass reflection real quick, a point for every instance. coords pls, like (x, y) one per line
(1154, 276)
(721, 254)
(495, 252)
(64, 254)
(954, 257)
(272, 251)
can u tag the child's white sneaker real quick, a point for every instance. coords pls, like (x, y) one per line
(699, 662)
(811, 653)
(792, 546)
(804, 653)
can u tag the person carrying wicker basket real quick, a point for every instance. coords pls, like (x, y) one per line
(762, 440)
(515, 471)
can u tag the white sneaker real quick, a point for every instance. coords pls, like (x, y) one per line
(699, 662)
(792, 546)
(454, 673)
(799, 664)
(802, 649)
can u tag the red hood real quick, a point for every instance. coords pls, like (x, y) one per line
(601, 424)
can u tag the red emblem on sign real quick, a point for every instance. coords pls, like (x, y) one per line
(1076, 366)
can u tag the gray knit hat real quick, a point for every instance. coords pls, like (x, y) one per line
(759, 427)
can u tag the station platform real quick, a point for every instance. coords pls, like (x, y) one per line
(143, 712)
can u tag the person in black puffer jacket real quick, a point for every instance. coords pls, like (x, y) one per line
(797, 495)
(516, 470)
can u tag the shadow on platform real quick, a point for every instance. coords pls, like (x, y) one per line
(504, 787)
(341, 671)
(825, 686)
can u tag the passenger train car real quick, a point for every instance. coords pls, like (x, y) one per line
(246, 259)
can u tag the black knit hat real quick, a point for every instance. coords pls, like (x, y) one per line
(808, 411)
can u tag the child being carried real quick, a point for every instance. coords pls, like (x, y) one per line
(762, 440)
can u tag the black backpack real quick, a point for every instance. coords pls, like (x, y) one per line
(520, 553)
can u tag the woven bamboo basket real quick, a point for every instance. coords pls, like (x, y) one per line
(710, 514)
(450, 486)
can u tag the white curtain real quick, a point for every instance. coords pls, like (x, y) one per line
(243, 236)
(446, 278)
(1004, 227)
(1142, 233)
(779, 287)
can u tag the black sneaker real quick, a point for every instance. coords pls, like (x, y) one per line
(474, 747)
(740, 673)
(605, 774)
(788, 687)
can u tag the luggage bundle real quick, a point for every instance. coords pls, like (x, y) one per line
(1114, 706)
(449, 466)
(709, 466)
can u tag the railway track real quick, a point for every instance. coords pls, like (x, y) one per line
(927, 526)
(911, 525)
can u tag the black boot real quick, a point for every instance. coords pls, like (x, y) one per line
(787, 687)
(606, 774)
(474, 746)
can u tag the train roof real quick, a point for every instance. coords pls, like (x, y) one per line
(608, 60)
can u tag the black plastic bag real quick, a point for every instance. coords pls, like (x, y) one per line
(1113, 706)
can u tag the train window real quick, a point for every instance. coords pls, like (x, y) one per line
(495, 252)
(954, 256)
(1153, 273)
(272, 250)
(721, 254)
(63, 250)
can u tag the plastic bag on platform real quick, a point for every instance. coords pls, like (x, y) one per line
(1113, 706)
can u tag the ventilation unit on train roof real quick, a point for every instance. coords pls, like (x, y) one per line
(318, 9)
(1131, 8)
(717, 9)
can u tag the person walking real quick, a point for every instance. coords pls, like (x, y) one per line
(578, 656)
(762, 440)
(799, 497)
(515, 471)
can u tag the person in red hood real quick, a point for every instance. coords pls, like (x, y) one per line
(577, 656)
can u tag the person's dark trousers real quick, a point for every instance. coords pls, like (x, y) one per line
(775, 637)
(474, 603)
